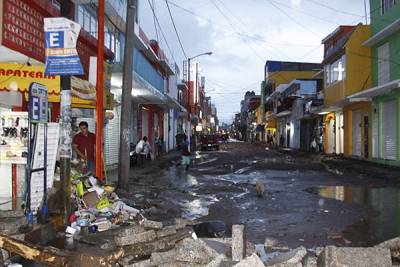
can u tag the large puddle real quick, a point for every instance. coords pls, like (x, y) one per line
(385, 200)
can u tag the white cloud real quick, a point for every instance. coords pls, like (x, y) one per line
(295, 2)
(268, 33)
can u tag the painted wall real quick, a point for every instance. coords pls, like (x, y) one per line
(281, 77)
(358, 61)
(358, 68)
(378, 23)
(334, 93)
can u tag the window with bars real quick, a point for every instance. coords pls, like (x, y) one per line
(386, 5)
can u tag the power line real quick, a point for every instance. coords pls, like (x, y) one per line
(176, 31)
(155, 24)
(162, 32)
(246, 27)
(304, 12)
(233, 27)
(223, 26)
(334, 9)
(293, 19)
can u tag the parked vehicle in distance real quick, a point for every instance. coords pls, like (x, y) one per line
(208, 141)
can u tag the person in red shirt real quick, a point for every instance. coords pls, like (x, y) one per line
(84, 144)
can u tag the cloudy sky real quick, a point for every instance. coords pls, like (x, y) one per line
(243, 34)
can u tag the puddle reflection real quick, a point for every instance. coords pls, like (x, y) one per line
(384, 200)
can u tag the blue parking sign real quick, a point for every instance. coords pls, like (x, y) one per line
(38, 103)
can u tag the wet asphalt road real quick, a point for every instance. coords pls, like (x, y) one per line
(305, 202)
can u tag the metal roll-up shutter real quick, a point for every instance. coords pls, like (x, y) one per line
(389, 130)
(356, 136)
(111, 140)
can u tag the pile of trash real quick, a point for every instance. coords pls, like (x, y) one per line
(97, 208)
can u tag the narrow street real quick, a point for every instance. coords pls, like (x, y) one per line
(306, 202)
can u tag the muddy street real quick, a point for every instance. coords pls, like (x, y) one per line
(307, 201)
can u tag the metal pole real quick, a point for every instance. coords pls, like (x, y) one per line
(126, 99)
(366, 14)
(188, 101)
(99, 85)
(65, 135)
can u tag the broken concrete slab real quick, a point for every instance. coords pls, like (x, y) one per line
(132, 239)
(253, 261)
(394, 246)
(238, 242)
(288, 259)
(217, 261)
(270, 243)
(158, 258)
(195, 251)
(352, 256)
(180, 264)
(221, 245)
(11, 226)
(148, 224)
(12, 214)
(166, 231)
(144, 250)
(130, 230)
(145, 263)
(310, 261)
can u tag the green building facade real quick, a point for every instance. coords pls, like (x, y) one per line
(384, 95)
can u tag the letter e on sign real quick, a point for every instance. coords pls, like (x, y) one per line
(35, 108)
(55, 39)
(38, 103)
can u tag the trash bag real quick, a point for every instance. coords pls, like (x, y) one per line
(212, 229)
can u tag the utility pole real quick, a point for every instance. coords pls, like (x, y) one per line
(66, 132)
(99, 92)
(366, 13)
(126, 100)
(189, 108)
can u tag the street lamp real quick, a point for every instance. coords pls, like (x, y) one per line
(189, 59)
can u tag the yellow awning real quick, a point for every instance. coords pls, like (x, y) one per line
(18, 77)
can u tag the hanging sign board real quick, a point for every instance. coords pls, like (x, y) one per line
(38, 103)
(61, 35)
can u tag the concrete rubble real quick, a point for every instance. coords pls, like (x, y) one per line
(288, 259)
(353, 256)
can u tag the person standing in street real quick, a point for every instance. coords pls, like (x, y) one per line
(321, 143)
(185, 153)
(84, 144)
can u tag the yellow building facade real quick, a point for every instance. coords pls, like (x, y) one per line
(347, 123)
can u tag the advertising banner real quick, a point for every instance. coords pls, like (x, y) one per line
(61, 35)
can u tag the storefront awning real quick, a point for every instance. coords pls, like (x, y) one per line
(284, 113)
(173, 103)
(376, 91)
(142, 91)
(18, 77)
(386, 32)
